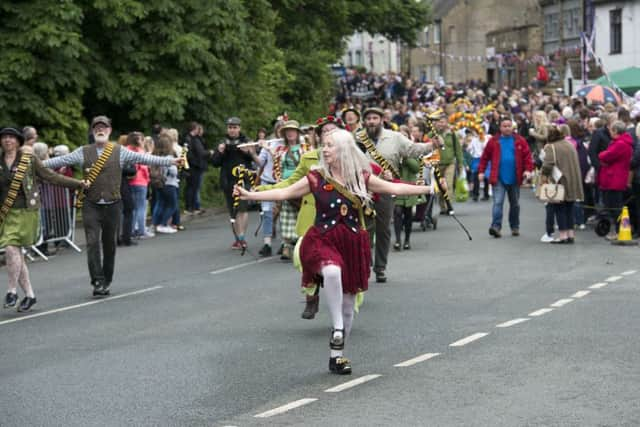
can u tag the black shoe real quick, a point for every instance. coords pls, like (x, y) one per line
(406, 246)
(265, 251)
(340, 365)
(396, 246)
(311, 308)
(10, 300)
(100, 289)
(26, 304)
(381, 277)
(495, 232)
(129, 243)
(444, 212)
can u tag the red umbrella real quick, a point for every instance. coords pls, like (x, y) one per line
(598, 93)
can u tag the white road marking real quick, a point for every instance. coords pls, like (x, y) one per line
(85, 304)
(351, 384)
(415, 360)
(561, 302)
(580, 294)
(511, 323)
(284, 408)
(629, 273)
(598, 285)
(235, 267)
(613, 279)
(540, 312)
(467, 340)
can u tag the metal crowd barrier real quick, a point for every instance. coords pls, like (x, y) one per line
(57, 219)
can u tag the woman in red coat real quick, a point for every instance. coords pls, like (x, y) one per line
(615, 163)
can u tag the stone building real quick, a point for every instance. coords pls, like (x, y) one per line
(452, 46)
(513, 51)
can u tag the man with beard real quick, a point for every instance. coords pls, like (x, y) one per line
(227, 157)
(102, 164)
(394, 148)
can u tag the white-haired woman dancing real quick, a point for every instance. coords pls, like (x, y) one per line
(336, 250)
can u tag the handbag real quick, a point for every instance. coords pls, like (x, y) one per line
(552, 192)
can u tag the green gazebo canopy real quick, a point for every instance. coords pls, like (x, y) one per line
(627, 79)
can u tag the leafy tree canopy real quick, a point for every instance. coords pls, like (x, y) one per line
(169, 61)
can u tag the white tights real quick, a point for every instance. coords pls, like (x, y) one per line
(340, 304)
(17, 270)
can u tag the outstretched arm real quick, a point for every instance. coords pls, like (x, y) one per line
(381, 186)
(294, 191)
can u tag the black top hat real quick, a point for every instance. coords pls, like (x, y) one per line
(13, 131)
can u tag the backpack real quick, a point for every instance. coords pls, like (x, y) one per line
(157, 176)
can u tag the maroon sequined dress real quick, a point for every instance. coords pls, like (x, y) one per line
(337, 237)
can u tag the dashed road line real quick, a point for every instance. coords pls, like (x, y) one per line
(613, 279)
(236, 267)
(469, 339)
(598, 285)
(352, 383)
(415, 360)
(284, 408)
(629, 273)
(511, 323)
(84, 304)
(580, 294)
(561, 302)
(540, 312)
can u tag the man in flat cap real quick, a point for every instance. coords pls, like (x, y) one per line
(102, 164)
(392, 147)
(227, 157)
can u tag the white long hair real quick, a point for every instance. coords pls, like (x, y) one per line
(351, 161)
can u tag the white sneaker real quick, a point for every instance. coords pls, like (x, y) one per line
(164, 229)
(546, 238)
(582, 227)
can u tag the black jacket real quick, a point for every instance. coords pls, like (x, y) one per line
(599, 142)
(198, 155)
(232, 157)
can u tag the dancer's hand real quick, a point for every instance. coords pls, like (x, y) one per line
(240, 192)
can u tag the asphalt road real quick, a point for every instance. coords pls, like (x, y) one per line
(492, 332)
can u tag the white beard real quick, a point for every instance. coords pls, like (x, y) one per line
(101, 138)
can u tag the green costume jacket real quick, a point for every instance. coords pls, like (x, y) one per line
(307, 214)
(408, 173)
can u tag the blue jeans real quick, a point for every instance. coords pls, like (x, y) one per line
(175, 219)
(267, 218)
(564, 215)
(194, 182)
(166, 204)
(139, 196)
(501, 190)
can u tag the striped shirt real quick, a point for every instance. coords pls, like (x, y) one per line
(126, 157)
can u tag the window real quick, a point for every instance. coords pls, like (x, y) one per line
(571, 24)
(358, 58)
(615, 31)
(452, 34)
(436, 33)
(426, 36)
(552, 26)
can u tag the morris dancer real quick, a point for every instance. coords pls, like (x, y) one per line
(387, 148)
(307, 213)
(20, 193)
(336, 249)
(102, 166)
(286, 159)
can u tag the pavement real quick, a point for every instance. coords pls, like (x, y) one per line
(499, 332)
